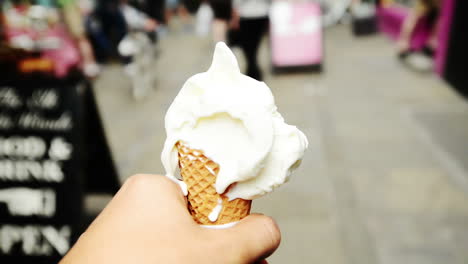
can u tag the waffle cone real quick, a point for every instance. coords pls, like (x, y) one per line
(199, 173)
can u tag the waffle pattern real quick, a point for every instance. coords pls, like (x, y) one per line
(199, 173)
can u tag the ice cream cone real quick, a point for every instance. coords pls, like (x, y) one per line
(206, 206)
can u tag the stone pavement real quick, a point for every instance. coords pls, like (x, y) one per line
(385, 177)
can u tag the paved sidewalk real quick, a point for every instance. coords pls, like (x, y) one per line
(385, 179)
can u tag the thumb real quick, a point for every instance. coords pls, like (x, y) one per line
(254, 238)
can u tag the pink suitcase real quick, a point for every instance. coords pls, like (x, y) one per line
(296, 35)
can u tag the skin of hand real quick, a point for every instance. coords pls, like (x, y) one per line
(148, 222)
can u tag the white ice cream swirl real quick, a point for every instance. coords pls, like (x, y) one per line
(233, 119)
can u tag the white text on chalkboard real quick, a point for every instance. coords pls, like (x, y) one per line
(35, 240)
(28, 202)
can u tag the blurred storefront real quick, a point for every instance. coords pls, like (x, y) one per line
(451, 56)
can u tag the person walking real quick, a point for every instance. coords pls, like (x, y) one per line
(420, 60)
(222, 10)
(176, 7)
(73, 19)
(251, 19)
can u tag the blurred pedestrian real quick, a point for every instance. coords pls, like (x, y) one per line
(222, 10)
(251, 19)
(203, 19)
(136, 19)
(73, 19)
(155, 9)
(422, 9)
(110, 27)
(176, 7)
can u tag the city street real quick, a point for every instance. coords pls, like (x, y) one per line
(385, 178)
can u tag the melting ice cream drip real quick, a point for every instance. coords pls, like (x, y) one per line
(213, 216)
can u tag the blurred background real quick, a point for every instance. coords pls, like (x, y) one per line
(379, 88)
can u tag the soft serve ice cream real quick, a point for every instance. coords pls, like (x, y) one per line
(233, 119)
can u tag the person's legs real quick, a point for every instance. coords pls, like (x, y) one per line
(167, 16)
(171, 9)
(183, 13)
(113, 26)
(219, 30)
(432, 42)
(99, 42)
(222, 14)
(156, 10)
(251, 35)
(76, 28)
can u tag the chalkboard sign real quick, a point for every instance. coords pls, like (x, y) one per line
(41, 181)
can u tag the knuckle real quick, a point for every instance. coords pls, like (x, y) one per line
(140, 182)
(138, 179)
(150, 184)
(272, 232)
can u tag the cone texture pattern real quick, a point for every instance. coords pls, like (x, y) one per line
(199, 173)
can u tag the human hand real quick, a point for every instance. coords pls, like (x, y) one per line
(148, 222)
